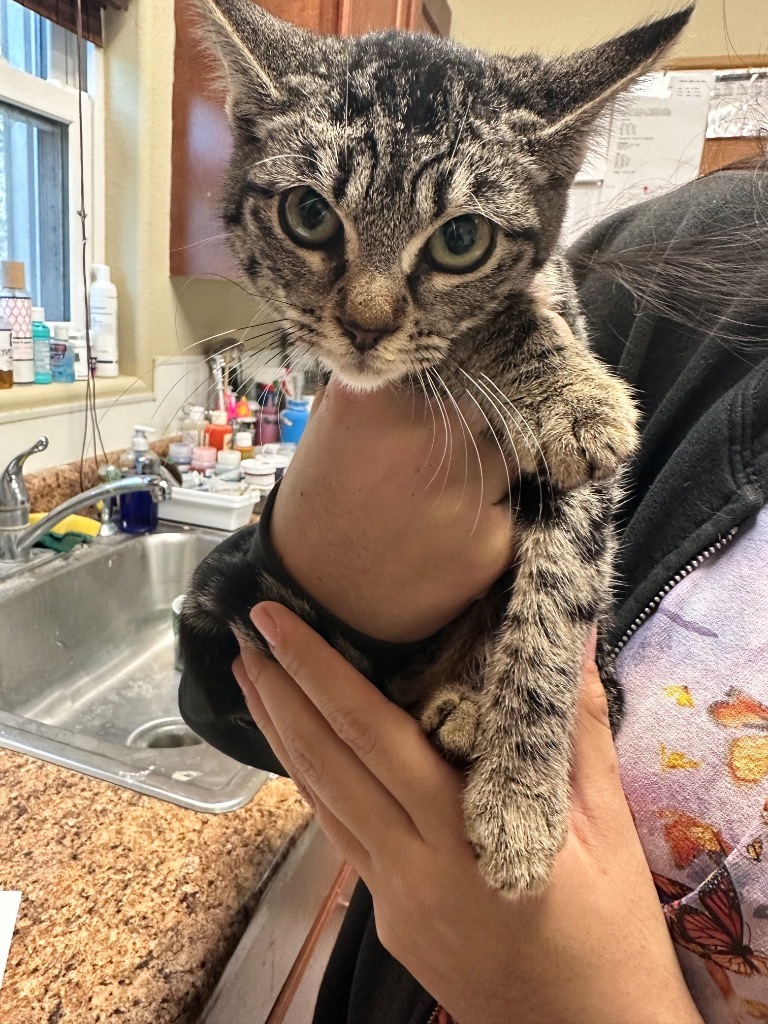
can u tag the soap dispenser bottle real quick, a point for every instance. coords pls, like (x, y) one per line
(138, 511)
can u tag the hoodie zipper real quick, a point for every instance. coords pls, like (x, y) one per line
(651, 608)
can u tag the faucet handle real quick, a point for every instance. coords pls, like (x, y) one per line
(14, 498)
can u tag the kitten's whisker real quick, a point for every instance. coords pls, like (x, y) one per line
(495, 434)
(200, 241)
(503, 420)
(271, 298)
(252, 377)
(210, 385)
(446, 428)
(434, 425)
(210, 390)
(458, 134)
(464, 431)
(285, 156)
(232, 330)
(522, 419)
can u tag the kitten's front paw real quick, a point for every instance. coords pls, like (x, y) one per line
(593, 443)
(513, 840)
(451, 719)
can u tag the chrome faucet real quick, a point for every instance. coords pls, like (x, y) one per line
(17, 535)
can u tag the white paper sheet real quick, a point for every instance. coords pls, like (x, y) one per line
(739, 105)
(10, 900)
(654, 143)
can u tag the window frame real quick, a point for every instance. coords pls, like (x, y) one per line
(53, 99)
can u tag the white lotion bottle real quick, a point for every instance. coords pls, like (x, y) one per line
(103, 303)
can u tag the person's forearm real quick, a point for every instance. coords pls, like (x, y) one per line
(382, 526)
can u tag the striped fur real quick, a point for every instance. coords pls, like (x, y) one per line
(399, 133)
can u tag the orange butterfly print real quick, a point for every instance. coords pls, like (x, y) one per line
(688, 837)
(739, 711)
(669, 890)
(717, 932)
(758, 1011)
(747, 755)
(755, 849)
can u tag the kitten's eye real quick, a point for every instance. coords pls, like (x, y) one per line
(461, 244)
(308, 219)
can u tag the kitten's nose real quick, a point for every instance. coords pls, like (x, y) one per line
(362, 338)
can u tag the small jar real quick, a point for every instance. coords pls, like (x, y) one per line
(218, 436)
(204, 459)
(243, 443)
(227, 461)
(282, 457)
(259, 472)
(180, 455)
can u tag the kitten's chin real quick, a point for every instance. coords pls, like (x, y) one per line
(363, 373)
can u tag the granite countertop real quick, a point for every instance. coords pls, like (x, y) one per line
(50, 487)
(130, 906)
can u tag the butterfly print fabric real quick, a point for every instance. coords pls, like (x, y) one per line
(694, 761)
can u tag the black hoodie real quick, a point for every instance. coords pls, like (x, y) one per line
(701, 470)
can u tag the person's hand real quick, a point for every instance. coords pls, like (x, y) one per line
(592, 949)
(394, 513)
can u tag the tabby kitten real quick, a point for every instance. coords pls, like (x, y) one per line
(405, 195)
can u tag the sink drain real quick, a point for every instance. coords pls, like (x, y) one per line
(163, 733)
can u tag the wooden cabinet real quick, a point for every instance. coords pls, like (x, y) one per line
(201, 140)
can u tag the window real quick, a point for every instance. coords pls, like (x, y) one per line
(40, 157)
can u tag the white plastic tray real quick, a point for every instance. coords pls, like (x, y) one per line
(202, 508)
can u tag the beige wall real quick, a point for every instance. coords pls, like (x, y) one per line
(553, 25)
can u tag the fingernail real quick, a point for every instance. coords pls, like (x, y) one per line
(265, 624)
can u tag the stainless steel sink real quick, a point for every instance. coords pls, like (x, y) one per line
(86, 671)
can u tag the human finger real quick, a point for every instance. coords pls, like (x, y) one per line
(351, 848)
(597, 795)
(330, 767)
(377, 733)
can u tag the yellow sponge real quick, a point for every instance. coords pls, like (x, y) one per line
(72, 524)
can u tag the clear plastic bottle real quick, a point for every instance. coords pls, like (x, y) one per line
(80, 346)
(16, 308)
(6, 355)
(62, 356)
(41, 343)
(138, 511)
(192, 425)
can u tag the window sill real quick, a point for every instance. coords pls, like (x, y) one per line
(23, 401)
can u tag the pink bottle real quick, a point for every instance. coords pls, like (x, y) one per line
(269, 425)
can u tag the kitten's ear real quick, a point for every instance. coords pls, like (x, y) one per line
(257, 51)
(588, 80)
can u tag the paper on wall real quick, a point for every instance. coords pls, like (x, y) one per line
(656, 141)
(653, 144)
(583, 210)
(739, 105)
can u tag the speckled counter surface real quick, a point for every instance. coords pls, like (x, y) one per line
(51, 487)
(130, 906)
